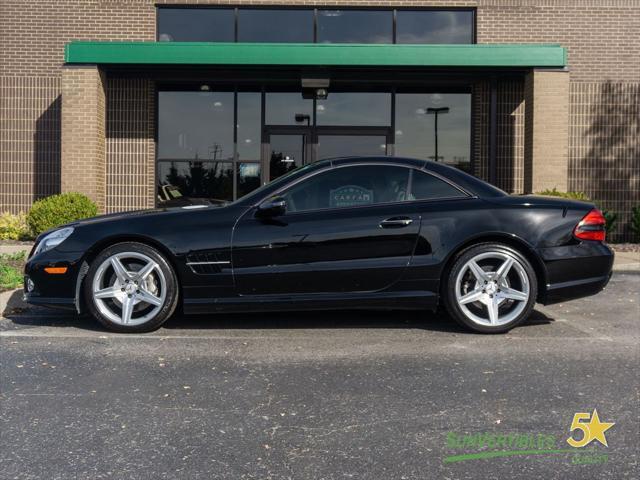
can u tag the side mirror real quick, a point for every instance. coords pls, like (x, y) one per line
(273, 207)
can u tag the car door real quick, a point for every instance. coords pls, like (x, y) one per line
(346, 229)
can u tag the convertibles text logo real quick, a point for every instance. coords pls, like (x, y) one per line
(585, 429)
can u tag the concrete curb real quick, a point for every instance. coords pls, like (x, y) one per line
(11, 303)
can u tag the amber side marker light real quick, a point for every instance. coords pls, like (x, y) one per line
(55, 270)
(591, 227)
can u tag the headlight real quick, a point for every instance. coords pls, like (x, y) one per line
(53, 239)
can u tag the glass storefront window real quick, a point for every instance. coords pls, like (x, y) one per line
(248, 178)
(283, 109)
(196, 25)
(197, 179)
(349, 108)
(355, 26)
(195, 125)
(433, 26)
(282, 26)
(197, 156)
(297, 25)
(332, 146)
(249, 125)
(415, 127)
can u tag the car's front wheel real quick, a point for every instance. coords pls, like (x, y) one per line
(490, 288)
(130, 287)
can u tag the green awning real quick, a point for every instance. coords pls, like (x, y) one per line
(313, 54)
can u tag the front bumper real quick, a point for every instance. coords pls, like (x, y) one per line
(52, 290)
(575, 271)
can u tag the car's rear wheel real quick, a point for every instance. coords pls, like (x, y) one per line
(490, 288)
(130, 287)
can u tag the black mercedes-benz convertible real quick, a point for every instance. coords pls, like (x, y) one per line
(343, 233)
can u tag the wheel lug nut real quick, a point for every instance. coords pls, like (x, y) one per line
(129, 295)
(137, 291)
(122, 289)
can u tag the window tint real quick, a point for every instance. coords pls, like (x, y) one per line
(355, 26)
(195, 125)
(349, 187)
(416, 127)
(283, 26)
(213, 180)
(195, 25)
(424, 26)
(288, 108)
(249, 125)
(426, 187)
(354, 108)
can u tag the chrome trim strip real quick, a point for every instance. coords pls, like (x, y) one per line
(208, 263)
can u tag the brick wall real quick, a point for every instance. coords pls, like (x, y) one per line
(601, 35)
(83, 132)
(29, 140)
(604, 146)
(130, 148)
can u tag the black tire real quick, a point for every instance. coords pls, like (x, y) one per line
(166, 308)
(448, 290)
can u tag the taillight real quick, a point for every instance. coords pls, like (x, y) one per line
(591, 227)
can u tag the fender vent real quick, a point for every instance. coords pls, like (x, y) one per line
(208, 263)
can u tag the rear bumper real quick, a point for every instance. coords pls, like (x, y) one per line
(562, 292)
(575, 271)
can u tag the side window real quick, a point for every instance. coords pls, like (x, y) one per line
(426, 187)
(352, 186)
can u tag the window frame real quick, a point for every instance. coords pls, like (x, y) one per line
(465, 194)
(236, 7)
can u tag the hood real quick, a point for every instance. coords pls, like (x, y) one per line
(114, 217)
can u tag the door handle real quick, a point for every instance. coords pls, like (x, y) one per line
(396, 222)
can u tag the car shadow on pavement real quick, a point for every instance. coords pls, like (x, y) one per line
(20, 315)
(438, 321)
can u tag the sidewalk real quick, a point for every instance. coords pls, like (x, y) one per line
(627, 261)
(16, 247)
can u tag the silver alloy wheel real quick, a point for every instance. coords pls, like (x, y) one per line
(485, 289)
(129, 296)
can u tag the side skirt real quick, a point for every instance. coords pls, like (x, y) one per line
(412, 300)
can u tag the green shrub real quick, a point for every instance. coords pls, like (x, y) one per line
(635, 223)
(13, 227)
(571, 195)
(10, 277)
(11, 265)
(59, 209)
(611, 219)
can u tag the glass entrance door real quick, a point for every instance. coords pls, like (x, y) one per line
(292, 147)
(286, 152)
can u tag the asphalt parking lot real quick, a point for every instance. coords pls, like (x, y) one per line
(371, 395)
